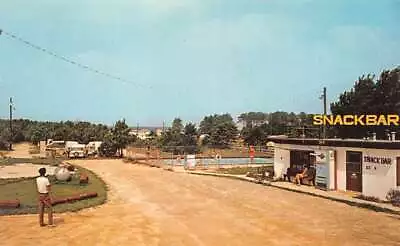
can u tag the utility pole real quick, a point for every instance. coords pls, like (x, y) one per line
(11, 119)
(323, 97)
(163, 126)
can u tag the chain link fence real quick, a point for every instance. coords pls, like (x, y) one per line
(205, 156)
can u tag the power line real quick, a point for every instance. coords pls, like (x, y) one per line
(65, 59)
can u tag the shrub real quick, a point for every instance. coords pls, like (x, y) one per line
(71, 168)
(108, 149)
(4, 145)
(369, 198)
(393, 196)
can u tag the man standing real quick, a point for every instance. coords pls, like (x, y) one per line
(43, 187)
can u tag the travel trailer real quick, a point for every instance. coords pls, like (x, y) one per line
(93, 147)
(54, 148)
(77, 151)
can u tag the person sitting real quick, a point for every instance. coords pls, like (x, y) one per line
(301, 175)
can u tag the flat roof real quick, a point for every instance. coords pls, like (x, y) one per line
(337, 142)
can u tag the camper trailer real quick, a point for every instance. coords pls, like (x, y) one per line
(93, 147)
(54, 148)
(77, 151)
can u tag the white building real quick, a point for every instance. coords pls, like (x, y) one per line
(159, 132)
(369, 167)
(141, 133)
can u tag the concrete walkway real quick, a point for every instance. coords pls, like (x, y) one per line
(23, 170)
(310, 190)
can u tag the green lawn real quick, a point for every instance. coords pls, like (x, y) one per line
(245, 170)
(24, 189)
(38, 161)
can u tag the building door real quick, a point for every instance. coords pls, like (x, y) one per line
(398, 171)
(354, 171)
(300, 158)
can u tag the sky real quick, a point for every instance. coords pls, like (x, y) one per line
(189, 58)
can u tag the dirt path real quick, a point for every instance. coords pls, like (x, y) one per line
(20, 151)
(150, 206)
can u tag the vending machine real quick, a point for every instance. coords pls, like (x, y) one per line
(324, 163)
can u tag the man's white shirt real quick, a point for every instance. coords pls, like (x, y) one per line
(42, 183)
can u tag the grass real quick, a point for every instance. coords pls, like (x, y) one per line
(36, 161)
(369, 198)
(24, 189)
(245, 170)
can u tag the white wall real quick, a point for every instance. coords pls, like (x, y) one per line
(380, 178)
(341, 167)
(376, 181)
(281, 160)
(332, 170)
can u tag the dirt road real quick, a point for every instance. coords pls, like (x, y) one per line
(150, 206)
(20, 151)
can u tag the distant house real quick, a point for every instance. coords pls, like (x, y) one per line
(255, 123)
(159, 132)
(143, 133)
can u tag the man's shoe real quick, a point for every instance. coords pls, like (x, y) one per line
(42, 225)
(51, 225)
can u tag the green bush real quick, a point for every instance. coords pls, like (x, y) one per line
(369, 198)
(393, 196)
(108, 149)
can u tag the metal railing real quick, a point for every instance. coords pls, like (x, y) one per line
(205, 157)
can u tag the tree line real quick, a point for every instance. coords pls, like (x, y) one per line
(369, 95)
(35, 131)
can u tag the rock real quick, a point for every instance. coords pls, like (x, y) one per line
(62, 174)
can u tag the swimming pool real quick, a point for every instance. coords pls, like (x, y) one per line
(223, 161)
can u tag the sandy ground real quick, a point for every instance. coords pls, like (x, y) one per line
(23, 169)
(150, 206)
(20, 151)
